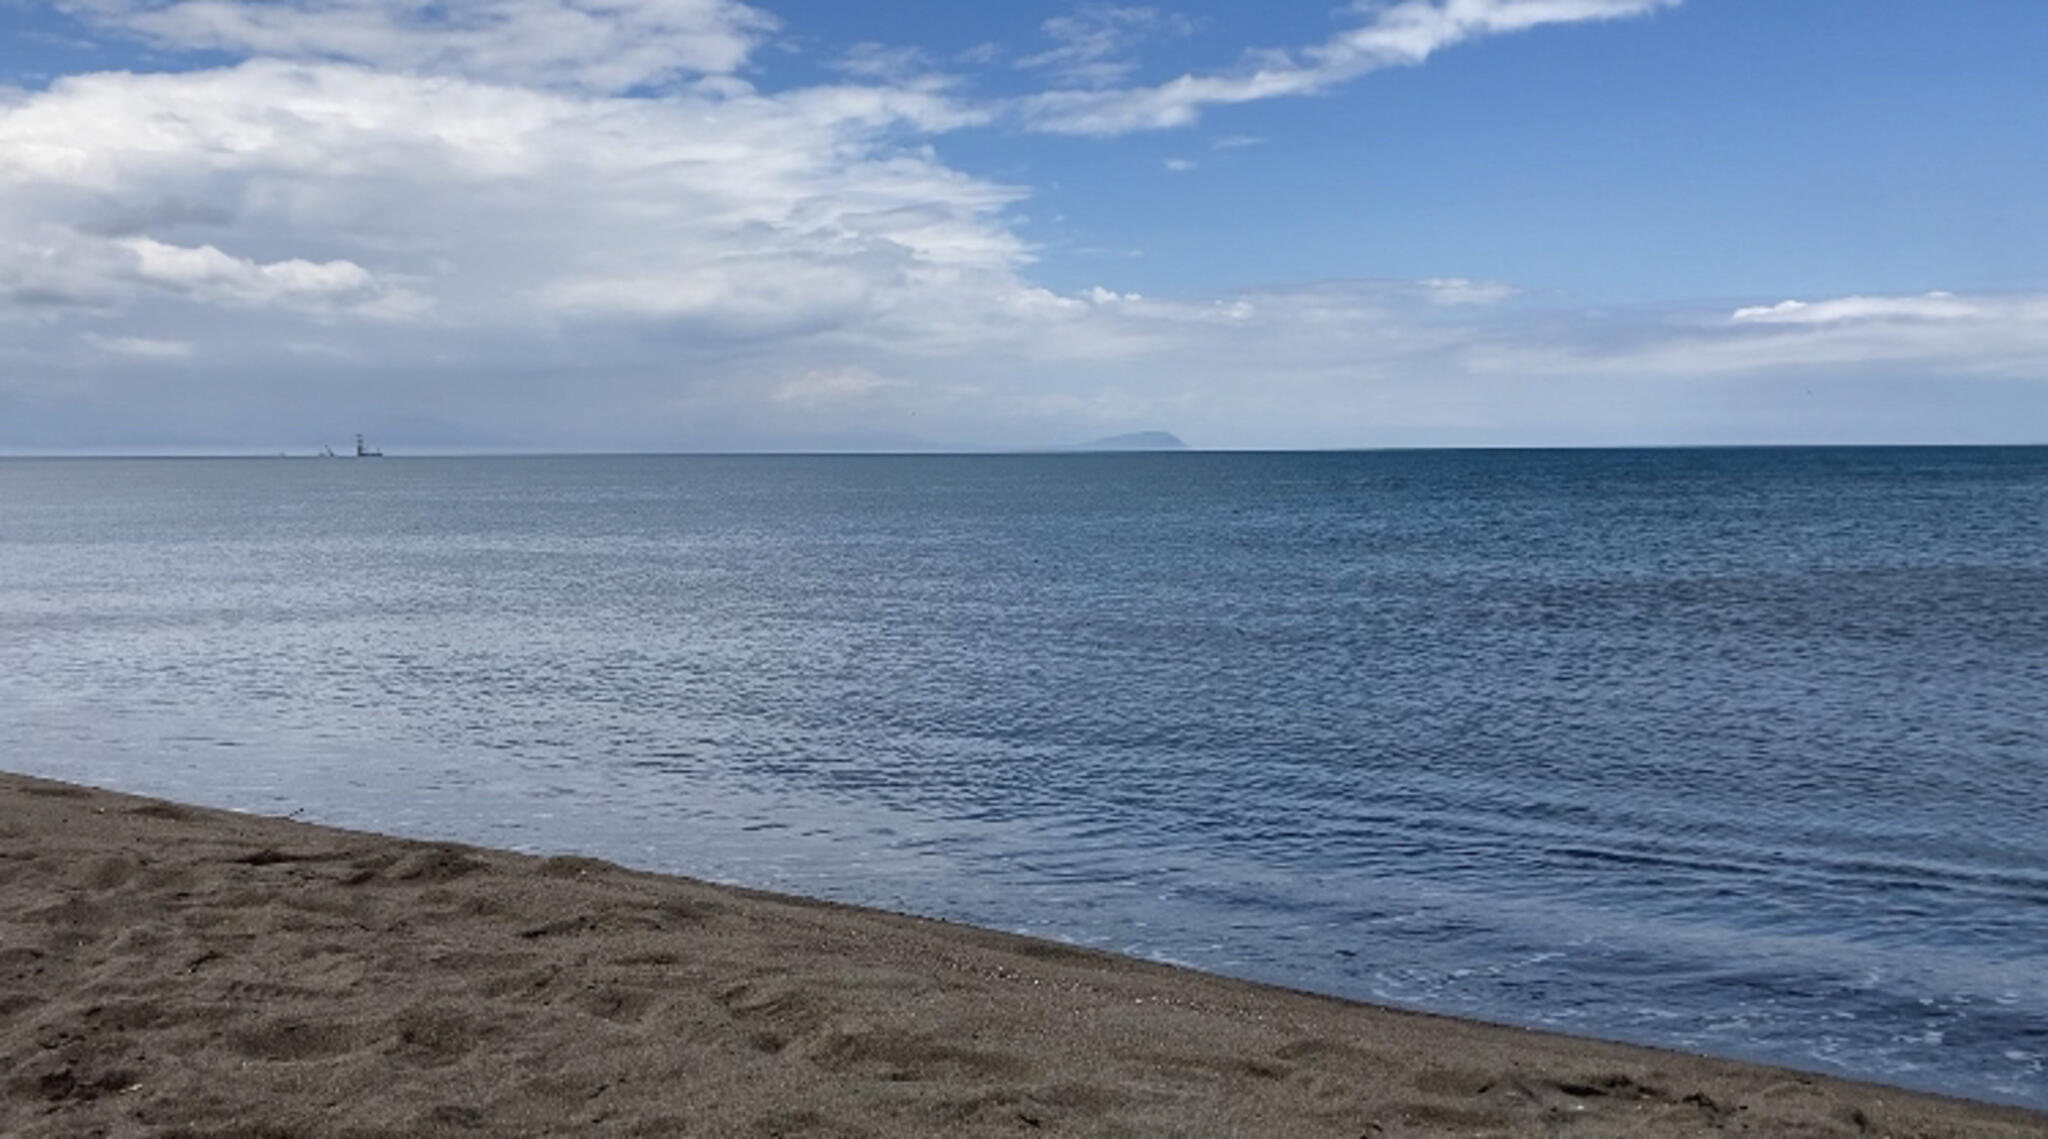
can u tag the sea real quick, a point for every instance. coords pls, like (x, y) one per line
(1741, 751)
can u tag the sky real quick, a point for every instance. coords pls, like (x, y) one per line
(594, 225)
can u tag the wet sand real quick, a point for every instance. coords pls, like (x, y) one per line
(174, 971)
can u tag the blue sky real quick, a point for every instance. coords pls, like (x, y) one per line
(1719, 149)
(695, 223)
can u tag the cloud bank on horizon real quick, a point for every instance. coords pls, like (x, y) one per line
(599, 224)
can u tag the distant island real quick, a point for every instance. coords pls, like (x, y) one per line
(1137, 441)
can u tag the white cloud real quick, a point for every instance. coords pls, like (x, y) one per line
(887, 62)
(1929, 306)
(141, 347)
(208, 273)
(481, 201)
(515, 255)
(1460, 291)
(651, 248)
(1091, 42)
(981, 54)
(1179, 165)
(602, 45)
(65, 270)
(1390, 34)
(827, 387)
(1936, 333)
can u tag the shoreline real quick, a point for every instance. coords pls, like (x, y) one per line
(179, 970)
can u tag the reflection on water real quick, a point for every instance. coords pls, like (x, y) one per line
(1738, 751)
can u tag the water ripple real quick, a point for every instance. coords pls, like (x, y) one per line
(1738, 751)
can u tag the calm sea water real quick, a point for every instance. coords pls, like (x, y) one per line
(1742, 752)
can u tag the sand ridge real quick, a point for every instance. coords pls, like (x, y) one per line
(168, 970)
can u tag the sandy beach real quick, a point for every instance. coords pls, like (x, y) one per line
(177, 971)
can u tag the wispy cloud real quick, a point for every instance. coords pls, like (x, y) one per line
(1938, 333)
(1928, 306)
(141, 347)
(1179, 165)
(830, 387)
(1458, 291)
(602, 45)
(408, 223)
(893, 63)
(1390, 34)
(981, 54)
(1092, 43)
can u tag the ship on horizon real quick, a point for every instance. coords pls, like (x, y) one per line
(363, 451)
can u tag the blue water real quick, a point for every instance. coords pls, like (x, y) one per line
(1742, 752)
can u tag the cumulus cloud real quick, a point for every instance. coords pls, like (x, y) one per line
(342, 186)
(1389, 34)
(601, 45)
(652, 248)
(209, 273)
(381, 221)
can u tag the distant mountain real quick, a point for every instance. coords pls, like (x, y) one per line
(1137, 441)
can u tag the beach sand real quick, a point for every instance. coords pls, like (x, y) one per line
(174, 971)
